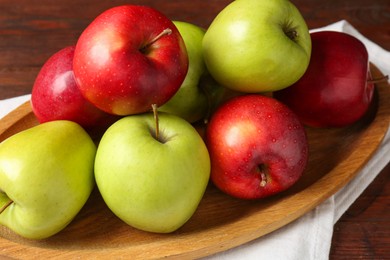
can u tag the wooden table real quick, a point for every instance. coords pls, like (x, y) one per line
(30, 31)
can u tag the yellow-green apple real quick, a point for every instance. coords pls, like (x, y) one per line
(199, 93)
(257, 145)
(56, 96)
(257, 46)
(46, 176)
(152, 173)
(128, 58)
(336, 90)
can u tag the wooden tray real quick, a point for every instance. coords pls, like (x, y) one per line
(221, 222)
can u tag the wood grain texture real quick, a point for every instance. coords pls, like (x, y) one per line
(30, 31)
(221, 222)
(361, 234)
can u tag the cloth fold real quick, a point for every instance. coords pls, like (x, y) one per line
(310, 236)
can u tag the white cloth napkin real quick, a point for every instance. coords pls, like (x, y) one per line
(309, 237)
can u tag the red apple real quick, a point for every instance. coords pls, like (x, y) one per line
(129, 58)
(257, 145)
(336, 90)
(55, 94)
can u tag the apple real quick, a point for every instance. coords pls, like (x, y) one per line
(256, 46)
(199, 93)
(128, 58)
(152, 171)
(257, 145)
(56, 96)
(46, 176)
(336, 90)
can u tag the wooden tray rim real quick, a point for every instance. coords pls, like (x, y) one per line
(376, 128)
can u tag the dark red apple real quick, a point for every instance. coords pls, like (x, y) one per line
(55, 94)
(336, 90)
(129, 58)
(257, 145)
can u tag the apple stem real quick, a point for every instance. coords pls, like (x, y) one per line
(155, 113)
(378, 80)
(262, 170)
(5, 206)
(167, 31)
(263, 179)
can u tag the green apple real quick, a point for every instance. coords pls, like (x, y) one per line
(46, 176)
(152, 179)
(257, 46)
(198, 93)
